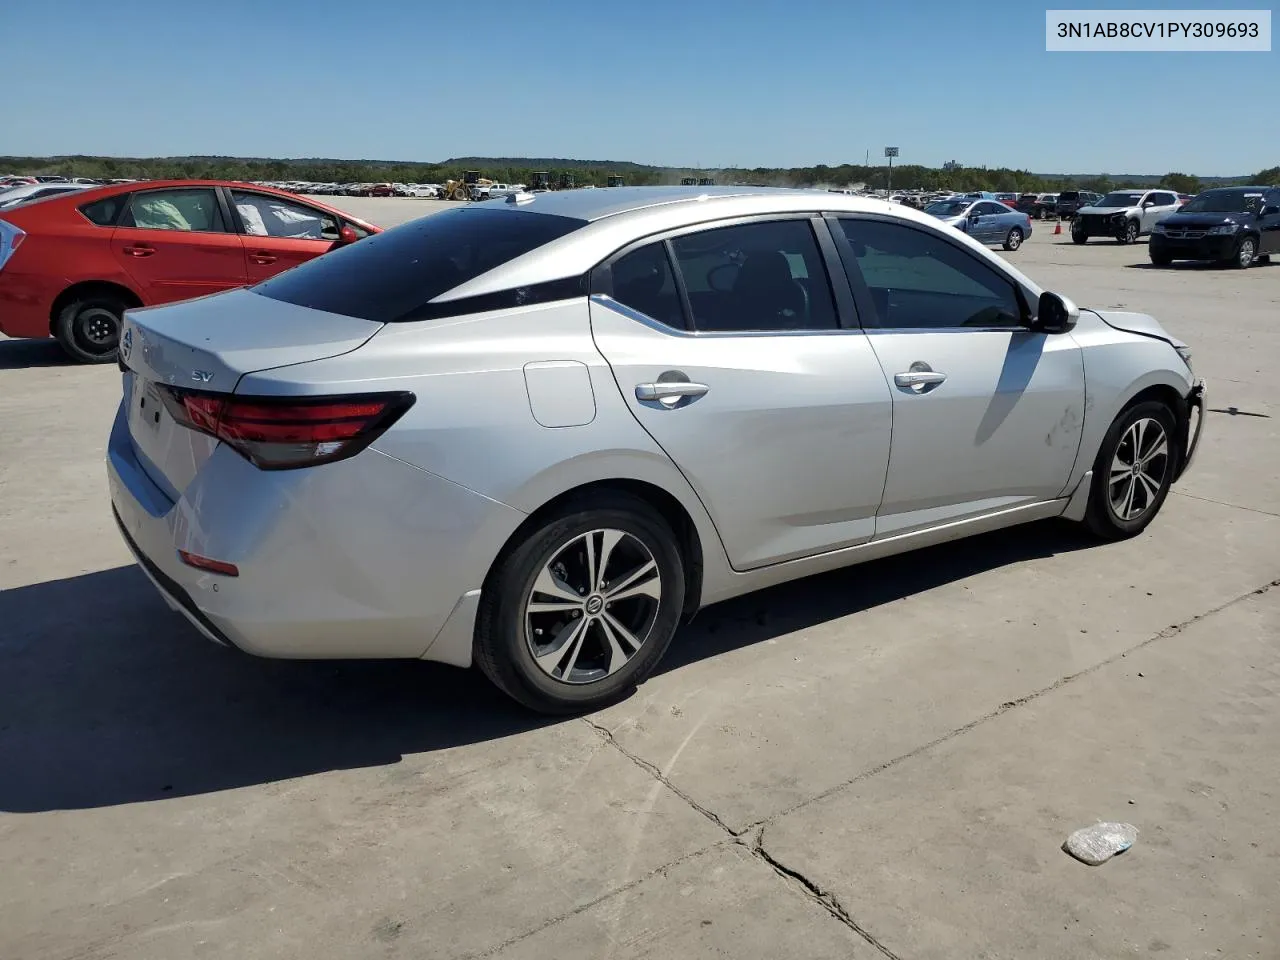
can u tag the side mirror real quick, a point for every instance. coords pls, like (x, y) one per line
(1055, 314)
(348, 234)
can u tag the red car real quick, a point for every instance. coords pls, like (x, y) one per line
(71, 265)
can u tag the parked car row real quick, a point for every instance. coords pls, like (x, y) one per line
(70, 265)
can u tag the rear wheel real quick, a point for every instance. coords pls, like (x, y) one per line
(583, 608)
(1014, 240)
(1132, 472)
(89, 328)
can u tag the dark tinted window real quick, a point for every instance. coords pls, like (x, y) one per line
(105, 211)
(990, 209)
(919, 280)
(757, 276)
(1223, 201)
(643, 281)
(389, 276)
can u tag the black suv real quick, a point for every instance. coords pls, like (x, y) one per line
(1233, 225)
(1038, 205)
(1069, 201)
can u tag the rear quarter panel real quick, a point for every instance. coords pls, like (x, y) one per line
(62, 249)
(473, 422)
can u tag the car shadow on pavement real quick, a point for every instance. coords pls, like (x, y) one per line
(1194, 265)
(107, 697)
(21, 354)
(829, 596)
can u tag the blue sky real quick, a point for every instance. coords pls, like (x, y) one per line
(754, 83)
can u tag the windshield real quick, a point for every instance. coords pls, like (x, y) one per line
(393, 275)
(1120, 200)
(1223, 201)
(947, 208)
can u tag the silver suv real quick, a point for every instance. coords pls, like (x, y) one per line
(1124, 215)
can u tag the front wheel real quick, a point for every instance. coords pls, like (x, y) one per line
(1014, 240)
(1130, 232)
(1079, 236)
(1133, 472)
(1160, 259)
(1245, 253)
(88, 329)
(581, 610)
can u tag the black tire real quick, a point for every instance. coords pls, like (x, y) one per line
(504, 642)
(1160, 259)
(1102, 517)
(1130, 232)
(88, 328)
(1246, 250)
(1014, 240)
(1040, 213)
(1079, 236)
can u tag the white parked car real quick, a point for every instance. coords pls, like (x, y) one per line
(1124, 215)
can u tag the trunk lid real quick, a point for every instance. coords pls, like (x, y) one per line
(208, 344)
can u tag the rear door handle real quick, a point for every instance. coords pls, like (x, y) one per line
(672, 390)
(139, 250)
(262, 256)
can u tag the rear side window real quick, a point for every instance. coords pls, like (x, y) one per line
(194, 210)
(106, 211)
(392, 276)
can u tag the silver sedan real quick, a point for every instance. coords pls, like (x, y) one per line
(536, 434)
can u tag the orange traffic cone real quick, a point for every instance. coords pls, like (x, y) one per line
(1057, 231)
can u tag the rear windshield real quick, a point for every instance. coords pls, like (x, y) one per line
(1069, 195)
(388, 276)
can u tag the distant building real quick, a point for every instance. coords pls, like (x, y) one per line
(951, 165)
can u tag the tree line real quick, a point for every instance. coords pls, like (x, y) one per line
(514, 170)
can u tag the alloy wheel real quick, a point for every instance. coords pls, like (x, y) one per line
(1138, 469)
(1247, 251)
(592, 606)
(1130, 232)
(1014, 240)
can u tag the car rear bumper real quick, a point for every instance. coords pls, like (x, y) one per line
(367, 557)
(1221, 247)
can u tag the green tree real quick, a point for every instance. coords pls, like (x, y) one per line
(1099, 184)
(1181, 182)
(1266, 177)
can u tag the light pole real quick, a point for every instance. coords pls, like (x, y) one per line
(890, 153)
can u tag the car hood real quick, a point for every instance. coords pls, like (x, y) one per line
(1206, 219)
(1108, 210)
(1139, 323)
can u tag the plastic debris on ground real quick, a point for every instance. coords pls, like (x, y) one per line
(1100, 842)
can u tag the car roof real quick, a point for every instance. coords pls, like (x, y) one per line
(619, 216)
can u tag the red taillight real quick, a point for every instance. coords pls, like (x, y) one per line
(212, 566)
(277, 433)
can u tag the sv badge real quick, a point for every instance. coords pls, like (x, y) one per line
(202, 376)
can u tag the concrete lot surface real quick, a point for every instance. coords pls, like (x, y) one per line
(878, 762)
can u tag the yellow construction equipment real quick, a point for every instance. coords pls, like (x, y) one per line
(462, 189)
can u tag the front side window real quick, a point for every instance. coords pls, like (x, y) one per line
(268, 216)
(756, 277)
(919, 280)
(189, 210)
(643, 281)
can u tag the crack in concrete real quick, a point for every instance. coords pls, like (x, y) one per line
(1223, 503)
(607, 735)
(583, 907)
(824, 898)
(1171, 631)
(812, 890)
